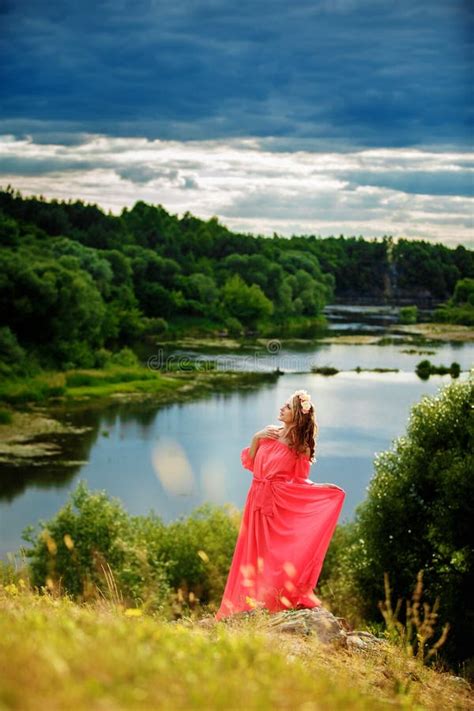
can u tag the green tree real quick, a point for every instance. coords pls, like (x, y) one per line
(408, 314)
(460, 307)
(418, 515)
(51, 307)
(247, 303)
(464, 292)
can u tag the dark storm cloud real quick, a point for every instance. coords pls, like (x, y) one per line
(353, 73)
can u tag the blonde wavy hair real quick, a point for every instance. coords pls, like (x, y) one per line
(304, 427)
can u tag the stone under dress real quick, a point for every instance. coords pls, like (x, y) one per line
(286, 527)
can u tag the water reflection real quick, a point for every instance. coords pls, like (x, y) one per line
(173, 468)
(171, 459)
(341, 356)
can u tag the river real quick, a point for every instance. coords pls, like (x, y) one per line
(172, 458)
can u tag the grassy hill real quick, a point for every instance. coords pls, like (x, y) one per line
(57, 654)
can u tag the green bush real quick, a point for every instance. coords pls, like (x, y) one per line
(418, 516)
(337, 582)
(89, 534)
(154, 326)
(199, 551)
(233, 326)
(102, 357)
(459, 309)
(111, 374)
(147, 558)
(5, 417)
(23, 390)
(10, 350)
(124, 357)
(408, 314)
(425, 368)
(246, 303)
(464, 292)
(462, 315)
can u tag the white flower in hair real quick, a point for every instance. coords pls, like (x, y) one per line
(305, 400)
(302, 394)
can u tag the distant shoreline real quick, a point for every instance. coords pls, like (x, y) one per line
(429, 331)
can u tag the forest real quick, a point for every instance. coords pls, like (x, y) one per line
(75, 280)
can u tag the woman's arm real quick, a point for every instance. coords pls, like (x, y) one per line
(254, 445)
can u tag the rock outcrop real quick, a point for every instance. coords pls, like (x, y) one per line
(317, 621)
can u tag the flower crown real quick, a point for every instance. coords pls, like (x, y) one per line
(305, 400)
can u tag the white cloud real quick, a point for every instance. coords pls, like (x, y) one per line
(253, 188)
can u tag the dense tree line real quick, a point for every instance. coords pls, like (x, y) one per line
(432, 267)
(74, 279)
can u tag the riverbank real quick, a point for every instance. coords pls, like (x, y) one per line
(33, 408)
(404, 334)
(437, 331)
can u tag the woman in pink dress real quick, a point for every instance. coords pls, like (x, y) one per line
(288, 520)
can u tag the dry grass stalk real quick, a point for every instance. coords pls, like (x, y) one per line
(420, 622)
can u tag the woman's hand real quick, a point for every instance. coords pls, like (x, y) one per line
(271, 431)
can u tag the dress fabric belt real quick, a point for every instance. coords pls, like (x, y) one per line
(264, 498)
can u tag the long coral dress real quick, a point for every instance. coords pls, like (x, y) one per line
(286, 527)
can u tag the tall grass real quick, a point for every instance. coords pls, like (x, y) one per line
(58, 654)
(419, 627)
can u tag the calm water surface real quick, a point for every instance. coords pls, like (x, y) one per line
(359, 414)
(340, 356)
(172, 458)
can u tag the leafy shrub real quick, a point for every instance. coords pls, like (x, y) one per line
(418, 515)
(113, 374)
(13, 358)
(408, 314)
(102, 357)
(425, 368)
(462, 314)
(200, 550)
(5, 417)
(92, 534)
(124, 357)
(154, 326)
(233, 326)
(459, 309)
(464, 292)
(23, 390)
(337, 583)
(10, 349)
(246, 303)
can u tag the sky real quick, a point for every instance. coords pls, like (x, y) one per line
(321, 117)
